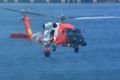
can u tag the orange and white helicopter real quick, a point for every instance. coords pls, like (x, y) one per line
(54, 33)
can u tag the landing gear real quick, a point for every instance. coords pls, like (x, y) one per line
(47, 51)
(54, 48)
(76, 49)
(83, 43)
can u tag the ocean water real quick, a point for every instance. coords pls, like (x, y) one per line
(24, 60)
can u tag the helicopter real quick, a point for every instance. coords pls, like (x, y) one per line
(54, 34)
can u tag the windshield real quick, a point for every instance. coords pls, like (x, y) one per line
(76, 31)
(70, 31)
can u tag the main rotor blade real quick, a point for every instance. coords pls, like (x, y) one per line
(97, 17)
(62, 17)
(23, 11)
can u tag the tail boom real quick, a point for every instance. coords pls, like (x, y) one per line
(28, 34)
(20, 35)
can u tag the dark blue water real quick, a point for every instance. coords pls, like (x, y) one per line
(24, 60)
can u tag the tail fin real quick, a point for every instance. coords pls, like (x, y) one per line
(27, 25)
(28, 34)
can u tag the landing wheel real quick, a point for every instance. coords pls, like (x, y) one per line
(76, 49)
(83, 43)
(47, 51)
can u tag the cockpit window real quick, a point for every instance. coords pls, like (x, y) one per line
(69, 31)
(76, 31)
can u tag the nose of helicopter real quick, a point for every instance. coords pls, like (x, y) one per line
(82, 41)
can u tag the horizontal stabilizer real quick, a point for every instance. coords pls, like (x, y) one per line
(20, 35)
